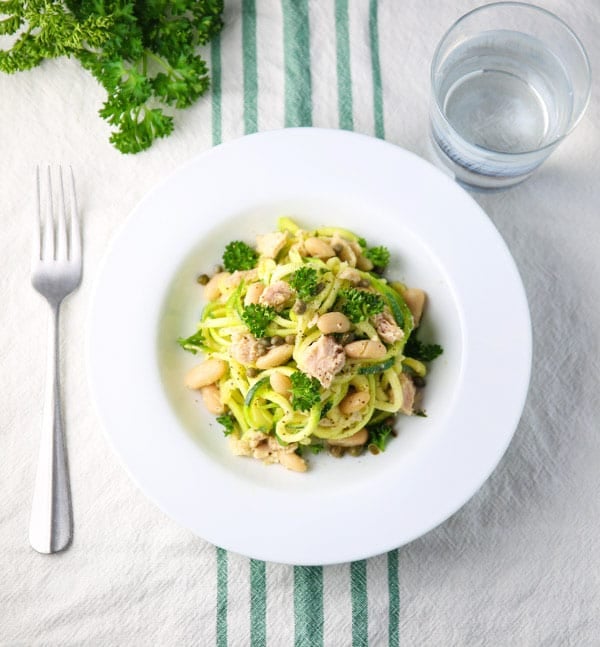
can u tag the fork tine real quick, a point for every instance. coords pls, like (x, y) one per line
(48, 220)
(75, 247)
(36, 250)
(61, 221)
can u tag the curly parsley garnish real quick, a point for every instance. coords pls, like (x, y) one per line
(359, 305)
(305, 391)
(239, 256)
(257, 317)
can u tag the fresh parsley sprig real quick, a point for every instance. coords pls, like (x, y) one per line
(258, 317)
(142, 52)
(305, 391)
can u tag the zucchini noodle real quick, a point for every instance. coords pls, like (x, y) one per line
(352, 361)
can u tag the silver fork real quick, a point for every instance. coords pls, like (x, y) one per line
(55, 273)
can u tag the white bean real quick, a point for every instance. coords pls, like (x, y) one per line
(354, 402)
(365, 349)
(318, 248)
(359, 438)
(276, 356)
(281, 383)
(212, 290)
(206, 373)
(253, 293)
(212, 399)
(332, 322)
(292, 461)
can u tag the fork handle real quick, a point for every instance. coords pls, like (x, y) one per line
(51, 526)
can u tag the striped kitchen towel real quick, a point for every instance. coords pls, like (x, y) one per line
(298, 63)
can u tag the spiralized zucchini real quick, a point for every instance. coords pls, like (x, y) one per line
(325, 366)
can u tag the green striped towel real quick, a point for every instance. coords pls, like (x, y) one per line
(299, 63)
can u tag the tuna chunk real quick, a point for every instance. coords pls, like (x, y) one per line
(276, 295)
(408, 394)
(246, 349)
(323, 359)
(387, 328)
(271, 244)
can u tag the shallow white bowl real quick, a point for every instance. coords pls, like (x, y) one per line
(341, 510)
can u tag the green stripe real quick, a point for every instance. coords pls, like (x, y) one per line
(258, 603)
(250, 66)
(360, 621)
(215, 57)
(376, 70)
(296, 54)
(342, 37)
(221, 597)
(308, 606)
(394, 598)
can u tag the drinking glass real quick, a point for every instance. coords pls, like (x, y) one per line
(509, 82)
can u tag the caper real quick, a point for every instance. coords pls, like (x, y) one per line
(299, 307)
(203, 279)
(374, 449)
(336, 451)
(319, 287)
(217, 269)
(356, 451)
(363, 283)
(251, 371)
(337, 248)
(290, 339)
(277, 340)
(418, 381)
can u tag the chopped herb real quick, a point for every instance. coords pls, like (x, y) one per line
(416, 349)
(378, 437)
(359, 305)
(362, 242)
(304, 281)
(305, 391)
(380, 256)
(226, 419)
(239, 256)
(313, 449)
(193, 344)
(257, 317)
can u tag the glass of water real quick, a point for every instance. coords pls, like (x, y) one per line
(509, 82)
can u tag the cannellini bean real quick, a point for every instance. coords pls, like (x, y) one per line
(276, 356)
(363, 263)
(359, 438)
(319, 248)
(292, 462)
(212, 290)
(354, 402)
(365, 349)
(415, 300)
(332, 322)
(206, 373)
(346, 253)
(253, 293)
(212, 399)
(280, 383)
(350, 274)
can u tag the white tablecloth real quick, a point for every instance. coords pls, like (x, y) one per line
(518, 565)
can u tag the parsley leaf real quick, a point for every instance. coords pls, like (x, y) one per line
(226, 419)
(378, 437)
(417, 349)
(257, 317)
(239, 256)
(304, 281)
(306, 391)
(142, 52)
(193, 344)
(359, 305)
(380, 256)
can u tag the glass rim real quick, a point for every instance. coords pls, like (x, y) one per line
(534, 8)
